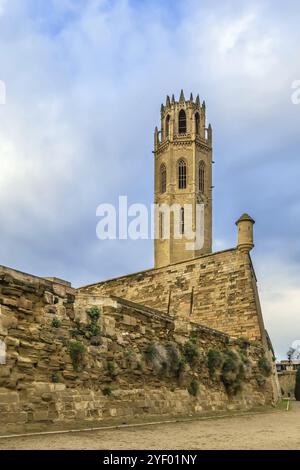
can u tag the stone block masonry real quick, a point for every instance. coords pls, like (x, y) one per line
(73, 356)
(216, 290)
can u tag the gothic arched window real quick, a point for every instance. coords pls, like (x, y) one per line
(197, 123)
(181, 174)
(182, 221)
(182, 122)
(167, 125)
(201, 176)
(163, 178)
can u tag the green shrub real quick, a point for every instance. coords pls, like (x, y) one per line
(214, 361)
(297, 385)
(130, 354)
(264, 366)
(95, 340)
(107, 391)
(193, 388)
(93, 313)
(165, 359)
(244, 358)
(244, 342)
(54, 378)
(151, 352)
(193, 336)
(181, 367)
(78, 330)
(140, 365)
(77, 351)
(191, 352)
(260, 379)
(55, 322)
(74, 333)
(233, 372)
(94, 329)
(111, 367)
(174, 357)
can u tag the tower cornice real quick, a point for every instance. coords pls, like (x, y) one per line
(200, 143)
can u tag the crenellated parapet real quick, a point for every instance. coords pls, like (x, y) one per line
(183, 120)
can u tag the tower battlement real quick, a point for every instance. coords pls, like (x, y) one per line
(183, 119)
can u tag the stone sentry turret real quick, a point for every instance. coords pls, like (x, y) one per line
(183, 175)
(245, 233)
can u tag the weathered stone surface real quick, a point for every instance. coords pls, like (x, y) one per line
(24, 362)
(115, 378)
(224, 295)
(24, 304)
(12, 341)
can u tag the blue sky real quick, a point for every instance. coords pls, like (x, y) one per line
(85, 80)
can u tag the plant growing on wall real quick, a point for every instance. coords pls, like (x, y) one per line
(165, 359)
(78, 330)
(77, 351)
(175, 361)
(151, 352)
(214, 361)
(107, 391)
(111, 368)
(191, 351)
(54, 378)
(244, 342)
(264, 366)
(157, 356)
(297, 385)
(55, 322)
(94, 329)
(93, 314)
(233, 371)
(193, 388)
(260, 379)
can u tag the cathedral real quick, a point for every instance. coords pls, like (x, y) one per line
(184, 337)
(214, 289)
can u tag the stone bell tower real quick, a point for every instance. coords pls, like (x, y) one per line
(183, 181)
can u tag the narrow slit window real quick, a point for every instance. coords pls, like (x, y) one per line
(182, 220)
(182, 174)
(161, 226)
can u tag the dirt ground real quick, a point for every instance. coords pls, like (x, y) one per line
(269, 430)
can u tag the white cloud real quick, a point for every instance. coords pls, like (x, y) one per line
(84, 86)
(279, 283)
